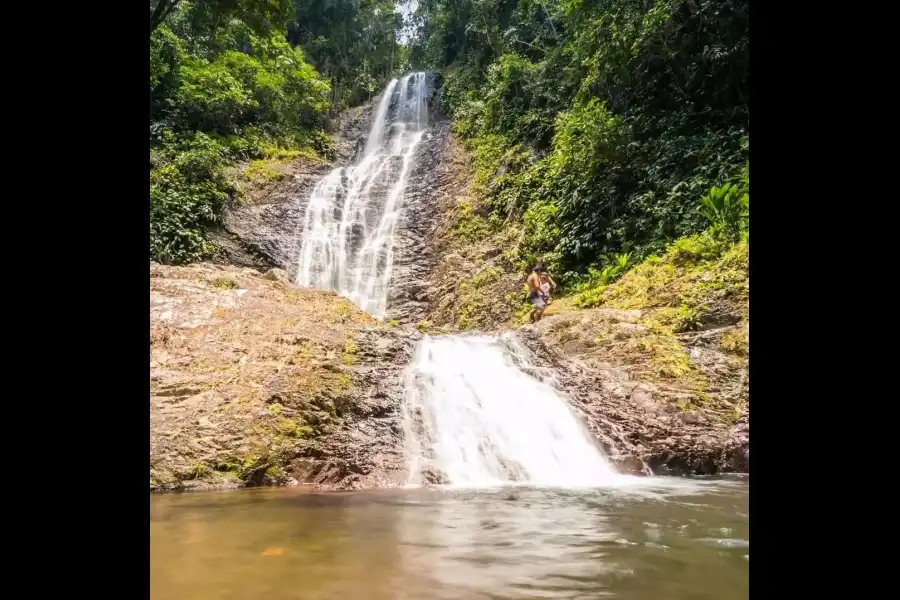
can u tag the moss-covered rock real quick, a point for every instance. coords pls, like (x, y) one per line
(476, 283)
(249, 374)
(665, 350)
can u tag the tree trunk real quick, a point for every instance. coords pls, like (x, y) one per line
(163, 9)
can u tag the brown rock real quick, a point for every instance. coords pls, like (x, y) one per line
(277, 275)
(238, 397)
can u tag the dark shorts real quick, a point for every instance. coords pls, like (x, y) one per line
(537, 299)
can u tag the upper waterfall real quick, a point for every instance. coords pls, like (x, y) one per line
(348, 231)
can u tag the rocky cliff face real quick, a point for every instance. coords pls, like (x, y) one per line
(254, 381)
(646, 424)
(415, 256)
(263, 231)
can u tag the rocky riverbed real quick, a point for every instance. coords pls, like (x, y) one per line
(645, 424)
(254, 381)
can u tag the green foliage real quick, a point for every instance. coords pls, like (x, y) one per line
(540, 232)
(260, 172)
(475, 307)
(619, 113)
(728, 207)
(353, 43)
(225, 85)
(261, 82)
(469, 227)
(188, 189)
(592, 286)
(697, 276)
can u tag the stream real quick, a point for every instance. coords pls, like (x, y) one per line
(675, 539)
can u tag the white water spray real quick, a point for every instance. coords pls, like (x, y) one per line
(475, 416)
(348, 232)
(471, 412)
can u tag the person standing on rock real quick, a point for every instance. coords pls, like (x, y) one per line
(535, 293)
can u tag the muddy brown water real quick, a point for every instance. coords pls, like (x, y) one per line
(676, 539)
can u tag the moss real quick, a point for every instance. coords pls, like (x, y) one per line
(469, 227)
(163, 478)
(231, 476)
(282, 155)
(341, 310)
(261, 172)
(224, 283)
(695, 277)
(556, 306)
(735, 341)
(290, 428)
(523, 315)
(668, 359)
(349, 352)
(243, 466)
(734, 415)
(197, 472)
(484, 277)
(275, 409)
(675, 320)
(478, 303)
(323, 381)
(275, 473)
(470, 314)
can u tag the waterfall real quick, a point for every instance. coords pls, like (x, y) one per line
(348, 231)
(473, 415)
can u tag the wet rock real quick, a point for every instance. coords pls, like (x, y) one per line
(414, 256)
(260, 388)
(277, 275)
(643, 425)
(263, 231)
(433, 476)
(629, 465)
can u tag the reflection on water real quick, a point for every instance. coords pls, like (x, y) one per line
(686, 539)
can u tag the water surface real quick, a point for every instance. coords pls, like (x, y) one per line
(675, 540)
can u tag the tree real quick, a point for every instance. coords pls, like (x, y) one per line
(159, 13)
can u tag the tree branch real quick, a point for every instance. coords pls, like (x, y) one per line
(163, 9)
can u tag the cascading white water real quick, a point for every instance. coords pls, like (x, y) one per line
(376, 130)
(473, 414)
(348, 233)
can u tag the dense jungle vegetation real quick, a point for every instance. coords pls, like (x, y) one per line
(238, 80)
(603, 129)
